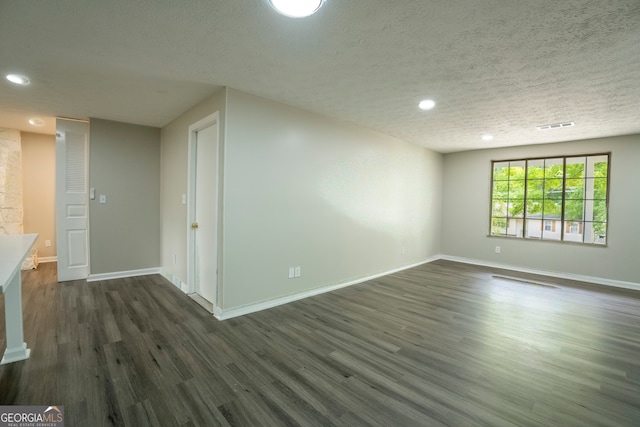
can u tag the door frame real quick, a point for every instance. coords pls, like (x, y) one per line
(191, 203)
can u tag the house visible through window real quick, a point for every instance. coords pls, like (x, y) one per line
(574, 228)
(556, 198)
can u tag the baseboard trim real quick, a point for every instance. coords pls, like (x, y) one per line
(43, 260)
(579, 277)
(264, 305)
(123, 274)
(175, 280)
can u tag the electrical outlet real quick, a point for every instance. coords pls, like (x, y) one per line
(297, 272)
(292, 272)
(497, 249)
(47, 242)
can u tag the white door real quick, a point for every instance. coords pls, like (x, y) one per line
(72, 201)
(204, 208)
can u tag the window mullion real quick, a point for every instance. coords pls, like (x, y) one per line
(508, 218)
(564, 190)
(524, 205)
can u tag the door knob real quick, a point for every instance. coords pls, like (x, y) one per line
(194, 225)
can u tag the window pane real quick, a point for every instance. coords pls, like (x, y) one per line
(534, 208)
(574, 210)
(498, 226)
(535, 169)
(573, 231)
(552, 209)
(574, 189)
(516, 189)
(599, 210)
(535, 189)
(516, 208)
(596, 188)
(499, 208)
(534, 229)
(514, 227)
(597, 166)
(500, 171)
(500, 189)
(552, 229)
(598, 233)
(575, 167)
(553, 168)
(516, 170)
(553, 189)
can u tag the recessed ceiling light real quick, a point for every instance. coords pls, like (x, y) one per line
(296, 8)
(18, 79)
(487, 137)
(36, 121)
(427, 104)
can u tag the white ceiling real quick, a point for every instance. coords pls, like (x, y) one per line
(493, 66)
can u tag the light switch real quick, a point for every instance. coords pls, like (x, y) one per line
(103, 198)
(92, 193)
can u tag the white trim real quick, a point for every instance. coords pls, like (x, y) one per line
(252, 308)
(556, 274)
(43, 260)
(123, 274)
(16, 354)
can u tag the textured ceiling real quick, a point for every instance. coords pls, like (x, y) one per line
(493, 66)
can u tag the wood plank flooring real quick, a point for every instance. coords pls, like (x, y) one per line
(440, 344)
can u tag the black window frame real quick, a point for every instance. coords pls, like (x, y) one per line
(563, 220)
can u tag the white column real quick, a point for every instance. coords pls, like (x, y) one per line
(13, 250)
(16, 347)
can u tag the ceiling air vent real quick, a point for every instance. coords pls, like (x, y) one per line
(555, 126)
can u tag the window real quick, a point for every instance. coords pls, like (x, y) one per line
(574, 228)
(555, 198)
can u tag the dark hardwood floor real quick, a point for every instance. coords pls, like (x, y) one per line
(441, 344)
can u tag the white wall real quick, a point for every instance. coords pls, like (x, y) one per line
(39, 190)
(124, 165)
(173, 182)
(341, 202)
(467, 188)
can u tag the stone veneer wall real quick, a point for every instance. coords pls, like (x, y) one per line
(11, 213)
(10, 182)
